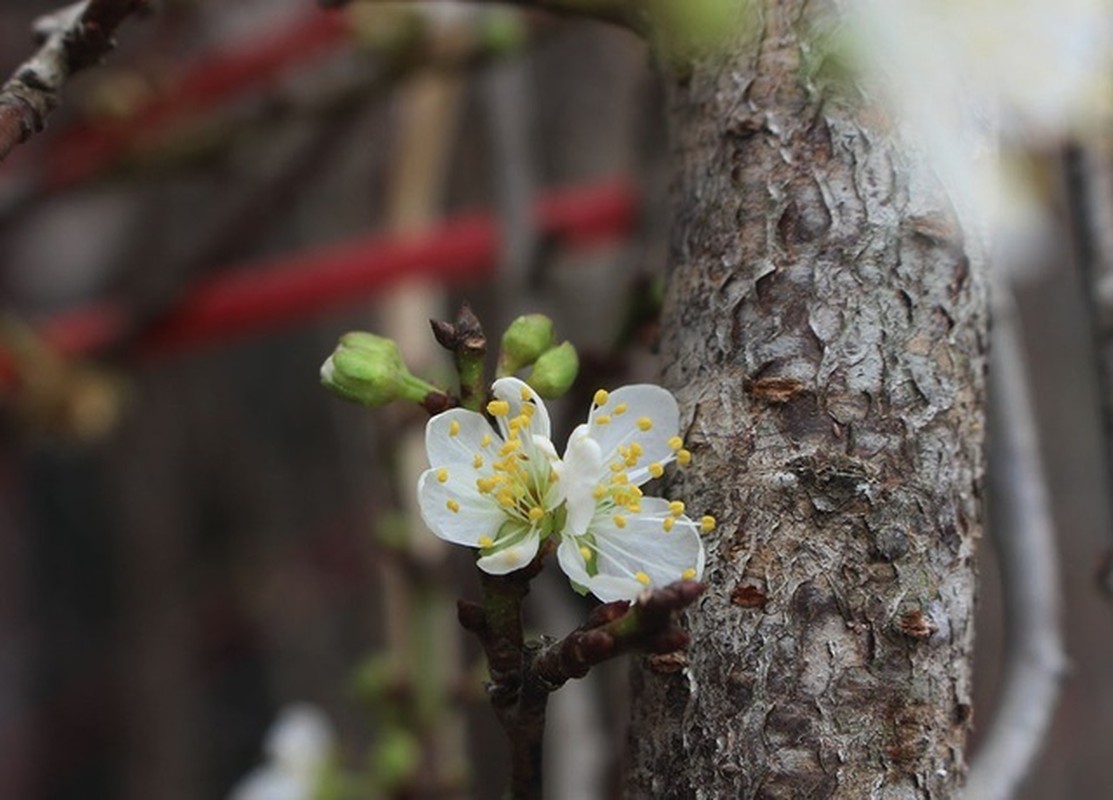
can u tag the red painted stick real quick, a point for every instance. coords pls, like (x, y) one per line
(274, 293)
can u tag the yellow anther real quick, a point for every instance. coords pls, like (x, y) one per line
(645, 423)
(641, 578)
(636, 449)
(585, 552)
(526, 394)
(707, 523)
(621, 408)
(634, 508)
(553, 476)
(688, 574)
(602, 419)
(600, 492)
(620, 479)
(485, 441)
(442, 475)
(517, 423)
(668, 524)
(477, 462)
(486, 541)
(536, 513)
(485, 485)
(634, 490)
(453, 506)
(510, 446)
(601, 397)
(676, 442)
(617, 466)
(619, 521)
(506, 498)
(498, 408)
(683, 457)
(656, 470)
(528, 410)
(676, 508)
(454, 427)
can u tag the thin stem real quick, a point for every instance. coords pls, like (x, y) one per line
(1023, 534)
(504, 645)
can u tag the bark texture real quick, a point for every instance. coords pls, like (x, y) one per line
(825, 333)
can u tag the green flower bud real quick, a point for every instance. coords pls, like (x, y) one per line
(503, 32)
(377, 678)
(525, 341)
(555, 371)
(396, 759)
(368, 369)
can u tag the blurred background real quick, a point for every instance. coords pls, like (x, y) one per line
(194, 534)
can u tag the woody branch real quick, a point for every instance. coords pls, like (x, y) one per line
(70, 39)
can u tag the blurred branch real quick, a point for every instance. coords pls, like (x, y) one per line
(626, 13)
(70, 39)
(1024, 538)
(1089, 178)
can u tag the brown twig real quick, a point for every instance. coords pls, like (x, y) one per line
(468, 344)
(523, 675)
(70, 39)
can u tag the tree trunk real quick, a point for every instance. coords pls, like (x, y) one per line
(825, 333)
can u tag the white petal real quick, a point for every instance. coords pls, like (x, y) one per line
(478, 515)
(300, 739)
(644, 546)
(605, 587)
(512, 390)
(512, 557)
(642, 401)
(446, 450)
(580, 473)
(270, 783)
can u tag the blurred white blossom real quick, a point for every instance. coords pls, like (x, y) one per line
(958, 74)
(297, 748)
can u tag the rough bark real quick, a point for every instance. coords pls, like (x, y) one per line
(824, 330)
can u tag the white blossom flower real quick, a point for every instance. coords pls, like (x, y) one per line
(297, 748)
(616, 542)
(959, 74)
(504, 492)
(497, 491)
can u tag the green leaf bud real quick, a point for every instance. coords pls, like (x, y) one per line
(368, 369)
(555, 371)
(525, 341)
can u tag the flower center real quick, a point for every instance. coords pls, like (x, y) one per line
(521, 475)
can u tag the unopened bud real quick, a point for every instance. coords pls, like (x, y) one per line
(525, 341)
(397, 757)
(368, 369)
(555, 371)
